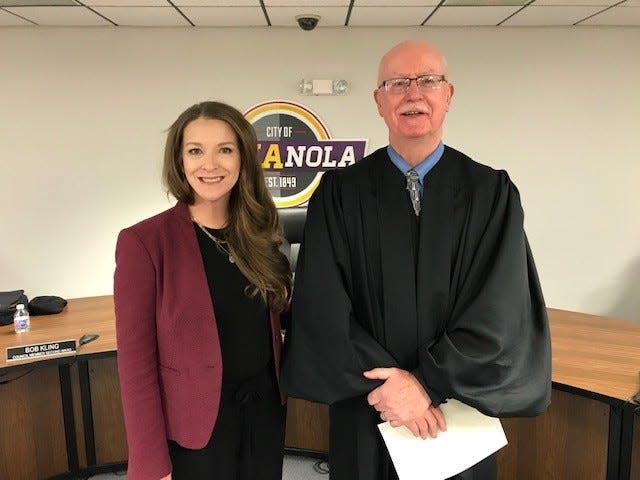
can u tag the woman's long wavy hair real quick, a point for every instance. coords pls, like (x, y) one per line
(253, 231)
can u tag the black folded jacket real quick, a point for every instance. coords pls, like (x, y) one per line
(46, 305)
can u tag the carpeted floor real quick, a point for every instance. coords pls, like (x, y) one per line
(294, 468)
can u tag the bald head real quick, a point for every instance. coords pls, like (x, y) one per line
(397, 61)
(414, 112)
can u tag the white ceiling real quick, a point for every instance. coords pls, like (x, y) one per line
(333, 13)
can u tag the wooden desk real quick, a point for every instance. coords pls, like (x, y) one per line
(55, 426)
(82, 315)
(599, 355)
(599, 358)
(74, 423)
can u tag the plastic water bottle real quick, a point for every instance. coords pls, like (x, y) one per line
(21, 321)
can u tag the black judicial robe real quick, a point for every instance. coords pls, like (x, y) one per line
(453, 297)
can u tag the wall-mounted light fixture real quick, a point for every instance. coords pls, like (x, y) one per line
(323, 87)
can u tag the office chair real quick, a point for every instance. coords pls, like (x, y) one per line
(292, 221)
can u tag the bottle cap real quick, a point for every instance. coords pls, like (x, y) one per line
(19, 306)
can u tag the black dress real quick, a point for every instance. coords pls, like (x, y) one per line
(248, 438)
(453, 298)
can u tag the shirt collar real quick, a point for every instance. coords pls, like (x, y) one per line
(423, 167)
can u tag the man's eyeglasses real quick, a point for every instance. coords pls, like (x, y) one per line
(423, 82)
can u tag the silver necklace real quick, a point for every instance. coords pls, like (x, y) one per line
(221, 244)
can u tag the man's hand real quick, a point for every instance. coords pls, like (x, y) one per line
(401, 400)
(168, 477)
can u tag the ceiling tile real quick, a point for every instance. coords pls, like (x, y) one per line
(396, 3)
(225, 16)
(9, 20)
(470, 16)
(389, 16)
(546, 16)
(578, 3)
(485, 3)
(307, 3)
(143, 16)
(618, 16)
(126, 3)
(216, 3)
(286, 16)
(37, 3)
(65, 16)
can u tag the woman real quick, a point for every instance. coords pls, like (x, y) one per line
(198, 290)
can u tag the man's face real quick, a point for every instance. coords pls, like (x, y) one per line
(417, 112)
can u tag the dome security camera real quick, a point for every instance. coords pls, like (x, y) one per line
(307, 22)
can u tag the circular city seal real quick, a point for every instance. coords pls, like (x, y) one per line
(295, 149)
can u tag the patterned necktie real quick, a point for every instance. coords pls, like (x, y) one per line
(414, 190)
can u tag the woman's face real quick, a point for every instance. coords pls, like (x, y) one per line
(211, 160)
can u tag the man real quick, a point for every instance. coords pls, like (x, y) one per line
(412, 292)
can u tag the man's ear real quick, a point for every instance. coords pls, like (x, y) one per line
(376, 92)
(449, 96)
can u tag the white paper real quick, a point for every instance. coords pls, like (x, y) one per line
(470, 437)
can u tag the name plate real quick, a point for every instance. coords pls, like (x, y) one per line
(49, 349)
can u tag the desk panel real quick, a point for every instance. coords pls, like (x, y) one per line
(569, 440)
(307, 426)
(77, 417)
(635, 456)
(108, 422)
(32, 444)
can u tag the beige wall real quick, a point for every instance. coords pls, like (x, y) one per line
(83, 113)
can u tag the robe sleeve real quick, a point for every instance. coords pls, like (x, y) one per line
(494, 352)
(328, 349)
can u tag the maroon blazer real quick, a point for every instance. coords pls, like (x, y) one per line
(169, 358)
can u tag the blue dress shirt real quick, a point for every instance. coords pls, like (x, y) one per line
(422, 168)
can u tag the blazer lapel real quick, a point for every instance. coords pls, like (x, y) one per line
(191, 283)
